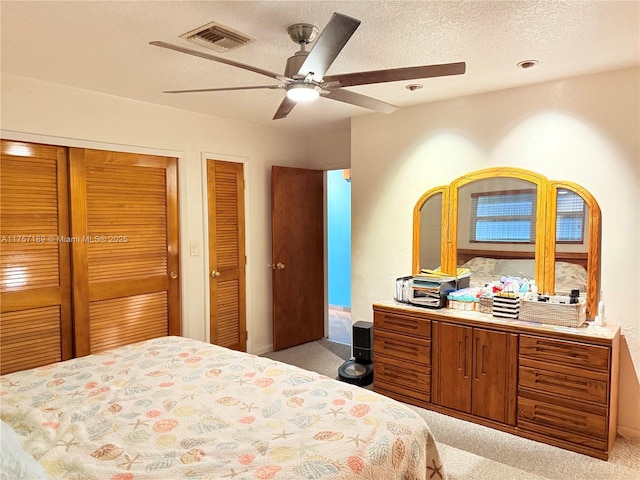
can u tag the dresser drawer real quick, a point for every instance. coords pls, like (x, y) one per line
(564, 420)
(564, 352)
(401, 393)
(401, 374)
(400, 346)
(402, 324)
(579, 384)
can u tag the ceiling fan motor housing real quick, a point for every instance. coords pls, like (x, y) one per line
(294, 62)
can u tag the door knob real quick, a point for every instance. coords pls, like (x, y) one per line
(173, 274)
(280, 266)
(215, 274)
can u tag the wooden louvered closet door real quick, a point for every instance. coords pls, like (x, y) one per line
(126, 286)
(226, 254)
(35, 298)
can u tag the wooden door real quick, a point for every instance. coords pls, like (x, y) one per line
(455, 360)
(297, 213)
(35, 292)
(227, 260)
(489, 397)
(125, 254)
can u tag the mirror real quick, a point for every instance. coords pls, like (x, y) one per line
(509, 221)
(429, 234)
(576, 240)
(497, 228)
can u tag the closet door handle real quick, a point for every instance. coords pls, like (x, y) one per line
(215, 274)
(173, 274)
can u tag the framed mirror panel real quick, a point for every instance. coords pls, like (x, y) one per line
(429, 214)
(573, 236)
(510, 219)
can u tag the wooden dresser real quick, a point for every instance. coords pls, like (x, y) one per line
(557, 385)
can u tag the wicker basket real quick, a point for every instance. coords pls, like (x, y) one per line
(485, 304)
(562, 314)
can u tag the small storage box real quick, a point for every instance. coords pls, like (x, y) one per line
(462, 305)
(485, 304)
(554, 313)
(506, 307)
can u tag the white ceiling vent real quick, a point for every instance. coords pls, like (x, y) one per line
(217, 37)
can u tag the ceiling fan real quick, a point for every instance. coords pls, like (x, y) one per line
(304, 76)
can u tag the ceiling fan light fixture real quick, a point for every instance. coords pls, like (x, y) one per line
(303, 92)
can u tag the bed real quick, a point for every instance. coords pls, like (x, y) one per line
(485, 270)
(177, 408)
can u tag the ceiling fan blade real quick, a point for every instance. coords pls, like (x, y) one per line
(214, 58)
(225, 89)
(285, 107)
(396, 74)
(359, 100)
(328, 45)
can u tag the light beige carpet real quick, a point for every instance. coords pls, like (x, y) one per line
(474, 452)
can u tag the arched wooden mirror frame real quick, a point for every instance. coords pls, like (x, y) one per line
(545, 247)
(593, 251)
(416, 222)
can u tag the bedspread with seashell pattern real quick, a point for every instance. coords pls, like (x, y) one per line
(176, 408)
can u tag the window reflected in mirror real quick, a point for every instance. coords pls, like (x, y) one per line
(497, 229)
(572, 243)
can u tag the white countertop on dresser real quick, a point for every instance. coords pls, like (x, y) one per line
(589, 329)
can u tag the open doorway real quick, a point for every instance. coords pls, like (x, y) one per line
(339, 255)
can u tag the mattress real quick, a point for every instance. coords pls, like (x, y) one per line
(176, 408)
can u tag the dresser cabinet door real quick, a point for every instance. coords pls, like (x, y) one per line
(490, 366)
(455, 364)
(475, 372)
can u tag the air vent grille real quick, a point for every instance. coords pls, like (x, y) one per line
(217, 37)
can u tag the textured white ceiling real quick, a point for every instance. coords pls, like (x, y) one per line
(103, 47)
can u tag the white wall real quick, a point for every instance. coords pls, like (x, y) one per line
(50, 113)
(583, 129)
(331, 150)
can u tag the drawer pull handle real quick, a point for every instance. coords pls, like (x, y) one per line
(562, 382)
(553, 349)
(398, 347)
(466, 338)
(555, 420)
(400, 323)
(551, 418)
(547, 411)
(399, 375)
